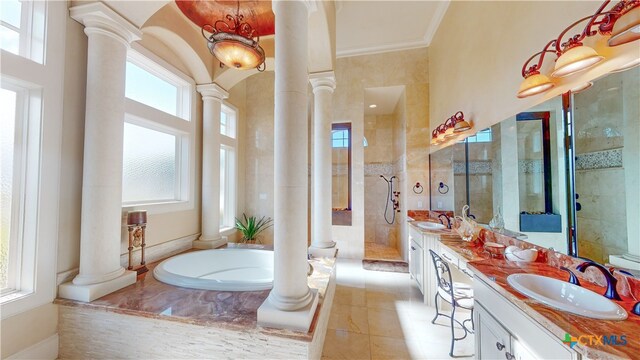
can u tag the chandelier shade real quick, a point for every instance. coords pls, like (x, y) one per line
(236, 51)
(231, 42)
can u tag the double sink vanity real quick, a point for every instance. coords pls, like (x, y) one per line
(544, 323)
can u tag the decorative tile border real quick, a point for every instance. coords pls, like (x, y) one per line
(531, 166)
(378, 169)
(599, 160)
(478, 167)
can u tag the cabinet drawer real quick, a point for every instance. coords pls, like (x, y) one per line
(528, 333)
(448, 256)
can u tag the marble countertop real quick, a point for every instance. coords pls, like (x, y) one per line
(494, 272)
(233, 310)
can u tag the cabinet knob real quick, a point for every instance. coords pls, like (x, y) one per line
(499, 346)
(509, 356)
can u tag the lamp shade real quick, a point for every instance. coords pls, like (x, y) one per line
(576, 59)
(626, 28)
(236, 51)
(582, 87)
(462, 126)
(534, 84)
(627, 66)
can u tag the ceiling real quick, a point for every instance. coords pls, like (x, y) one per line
(385, 99)
(256, 12)
(366, 27)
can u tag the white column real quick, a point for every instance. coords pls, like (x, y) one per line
(321, 243)
(212, 96)
(291, 304)
(109, 37)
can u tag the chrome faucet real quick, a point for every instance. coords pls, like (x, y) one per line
(448, 220)
(611, 292)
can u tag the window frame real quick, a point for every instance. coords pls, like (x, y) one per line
(32, 23)
(182, 126)
(231, 171)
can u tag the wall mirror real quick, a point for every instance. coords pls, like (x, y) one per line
(341, 173)
(606, 119)
(502, 169)
(535, 173)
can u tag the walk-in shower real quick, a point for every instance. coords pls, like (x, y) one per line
(392, 197)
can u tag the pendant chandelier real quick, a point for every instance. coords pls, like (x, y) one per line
(231, 42)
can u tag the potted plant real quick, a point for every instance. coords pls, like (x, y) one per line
(251, 227)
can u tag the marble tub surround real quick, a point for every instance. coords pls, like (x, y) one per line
(223, 318)
(494, 272)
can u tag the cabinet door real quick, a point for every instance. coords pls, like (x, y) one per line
(521, 352)
(492, 340)
(416, 264)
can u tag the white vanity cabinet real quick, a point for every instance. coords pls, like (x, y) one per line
(502, 331)
(416, 262)
(420, 262)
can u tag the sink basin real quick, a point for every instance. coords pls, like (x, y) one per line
(566, 297)
(427, 225)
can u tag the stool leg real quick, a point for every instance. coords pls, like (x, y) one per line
(435, 299)
(453, 332)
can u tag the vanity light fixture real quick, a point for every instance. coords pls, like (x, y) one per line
(627, 27)
(373, 106)
(627, 66)
(461, 124)
(572, 55)
(231, 42)
(451, 127)
(582, 87)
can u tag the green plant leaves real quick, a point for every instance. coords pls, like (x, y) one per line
(251, 226)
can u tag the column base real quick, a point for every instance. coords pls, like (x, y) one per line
(298, 320)
(210, 243)
(318, 252)
(88, 293)
(625, 261)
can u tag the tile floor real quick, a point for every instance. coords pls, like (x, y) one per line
(380, 315)
(381, 252)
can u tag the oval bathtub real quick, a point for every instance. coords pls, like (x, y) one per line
(219, 269)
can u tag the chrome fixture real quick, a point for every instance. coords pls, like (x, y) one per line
(231, 42)
(611, 292)
(392, 197)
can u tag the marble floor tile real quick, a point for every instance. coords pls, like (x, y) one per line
(350, 296)
(349, 318)
(398, 321)
(344, 345)
(385, 323)
(385, 348)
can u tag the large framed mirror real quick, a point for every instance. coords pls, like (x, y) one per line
(341, 173)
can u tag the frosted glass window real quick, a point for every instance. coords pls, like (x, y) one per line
(22, 26)
(147, 88)
(7, 124)
(228, 122)
(227, 187)
(149, 165)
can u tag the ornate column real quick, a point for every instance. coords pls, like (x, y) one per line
(109, 37)
(291, 304)
(212, 96)
(321, 244)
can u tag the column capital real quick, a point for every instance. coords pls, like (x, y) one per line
(99, 18)
(325, 80)
(212, 91)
